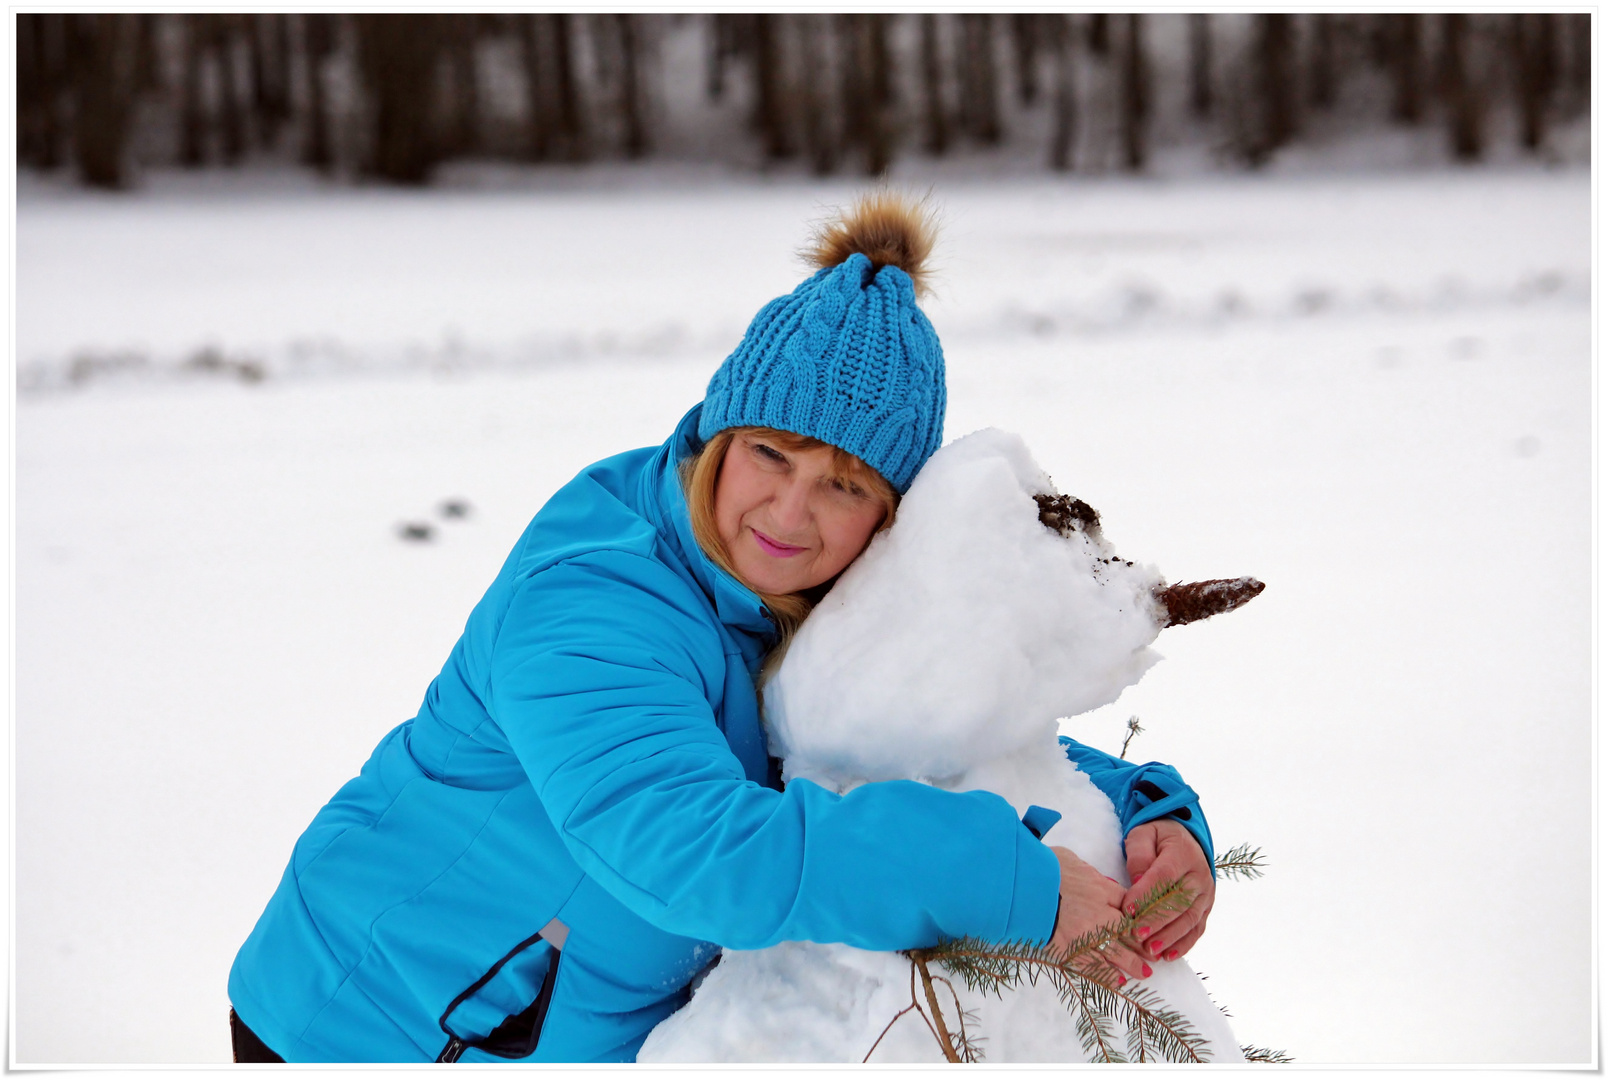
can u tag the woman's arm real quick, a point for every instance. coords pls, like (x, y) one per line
(1165, 837)
(602, 679)
(1143, 793)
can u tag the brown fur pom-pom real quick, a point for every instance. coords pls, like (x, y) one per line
(887, 227)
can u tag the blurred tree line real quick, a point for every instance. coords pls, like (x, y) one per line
(391, 96)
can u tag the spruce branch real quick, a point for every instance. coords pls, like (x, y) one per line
(967, 1045)
(1084, 981)
(1263, 1056)
(969, 1049)
(944, 1041)
(1241, 861)
(1133, 729)
(892, 1022)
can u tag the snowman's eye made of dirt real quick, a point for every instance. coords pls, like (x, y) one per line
(1065, 514)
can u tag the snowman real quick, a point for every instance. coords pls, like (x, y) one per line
(947, 654)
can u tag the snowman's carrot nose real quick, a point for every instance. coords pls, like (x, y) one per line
(1197, 600)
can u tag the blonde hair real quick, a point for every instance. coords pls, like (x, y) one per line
(701, 471)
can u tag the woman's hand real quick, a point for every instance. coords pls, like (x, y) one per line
(1159, 851)
(1090, 900)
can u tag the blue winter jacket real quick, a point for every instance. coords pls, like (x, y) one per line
(582, 812)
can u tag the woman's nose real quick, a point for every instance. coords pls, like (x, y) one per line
(792, 507)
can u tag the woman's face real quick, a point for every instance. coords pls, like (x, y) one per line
(788, 523)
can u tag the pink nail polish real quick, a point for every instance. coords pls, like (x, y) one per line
(1172, 954)
(1122, 980)
(1155, 947)
(1147, 971)
(1143, 930)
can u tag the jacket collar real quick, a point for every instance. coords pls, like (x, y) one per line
(736, 605)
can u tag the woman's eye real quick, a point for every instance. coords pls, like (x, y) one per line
(767, 453)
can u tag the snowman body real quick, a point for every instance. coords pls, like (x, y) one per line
(946, 654)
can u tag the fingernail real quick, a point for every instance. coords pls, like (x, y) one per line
(1155, 946)
(1147, 971)
(1172, 954)
(1122, 980)
(1143, 930)
(1133, 909)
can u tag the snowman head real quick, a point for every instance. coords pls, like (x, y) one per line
(965, 631)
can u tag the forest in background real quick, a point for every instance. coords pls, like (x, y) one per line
(391, 97)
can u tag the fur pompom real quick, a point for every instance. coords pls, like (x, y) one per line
(887, 227)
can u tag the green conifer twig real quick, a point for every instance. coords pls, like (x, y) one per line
(1241, 861)
(1263, 1056)
(1085, 983)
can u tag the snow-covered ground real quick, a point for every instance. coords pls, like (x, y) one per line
(1372, 391)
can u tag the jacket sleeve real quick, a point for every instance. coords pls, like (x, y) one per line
(597, 683)
(1143, 793)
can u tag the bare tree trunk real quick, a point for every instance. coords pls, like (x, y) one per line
(30, 88)
(1026, 30)
(398, 57)
(318, 41)
(1532, 47)
(854, 91)
(722, 42)
(569, 91)
(271, 73)
(193, 112)
(463, 105)
(1275, 81)
(879, 63)
(232, 110)
(103, 92)
(979, 83)
(815, 93)
(1576, 31)
(41, 83)
(866, 86)
(771, 105)
(540, 109)
(1321, 88)
(1135, 93)
(1064, 132)
(147, 62)
(1100, 35)
(1462, 97)
(636, 137)
(554, 98)
(934, 115)
(1200, 66)
(1406, 47)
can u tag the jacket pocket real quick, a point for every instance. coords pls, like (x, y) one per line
(533, 962)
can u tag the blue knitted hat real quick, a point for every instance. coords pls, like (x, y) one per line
(846, 357)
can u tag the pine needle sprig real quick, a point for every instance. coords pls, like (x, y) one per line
(1263, 1056)
(1086, 984)
(1241, 861)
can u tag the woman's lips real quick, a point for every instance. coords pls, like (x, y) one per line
(773, 547)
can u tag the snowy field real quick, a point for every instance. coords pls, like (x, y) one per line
(1372, 391)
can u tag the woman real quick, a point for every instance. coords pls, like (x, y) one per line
(582, 813)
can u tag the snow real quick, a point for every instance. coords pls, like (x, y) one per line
(946, 653)
(1371, 391)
